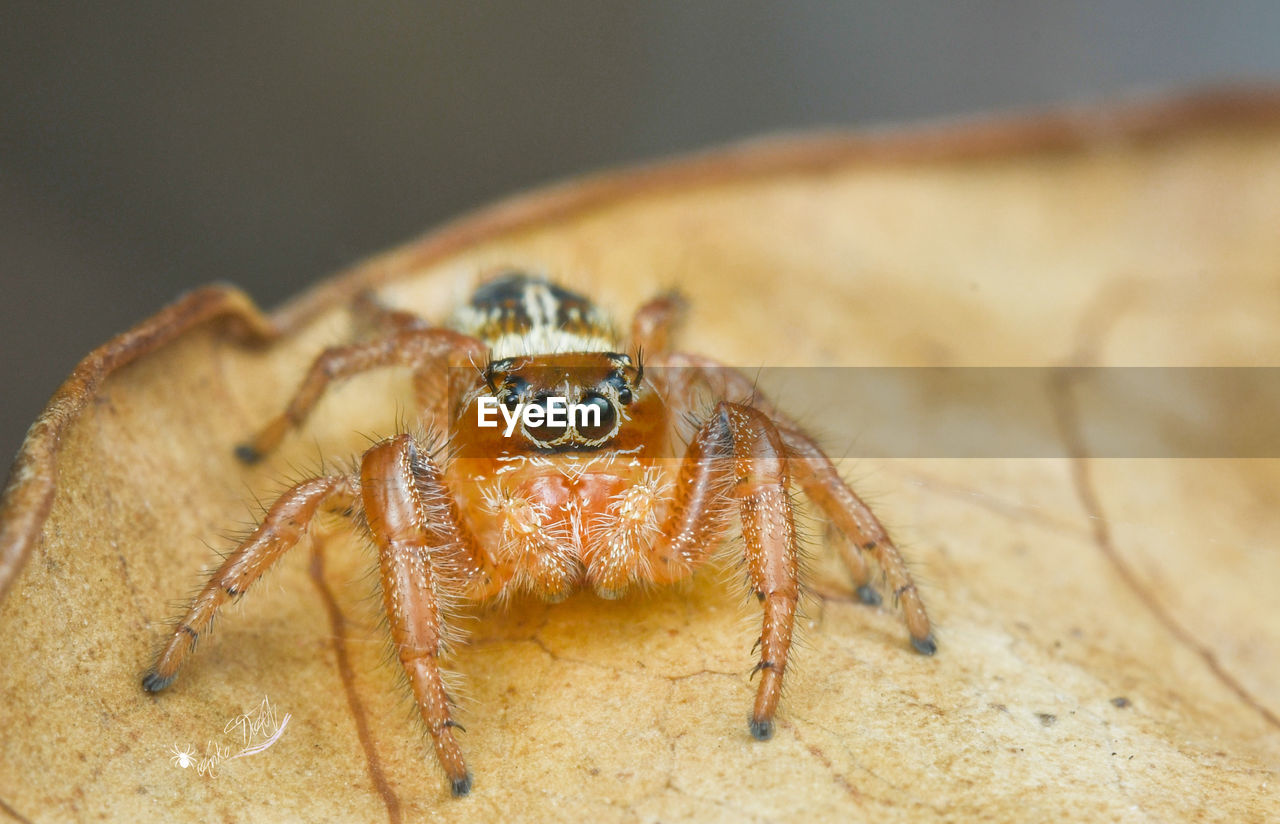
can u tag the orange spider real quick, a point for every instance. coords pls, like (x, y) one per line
(547, 503)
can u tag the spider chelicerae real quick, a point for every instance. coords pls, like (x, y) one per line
(639, 486)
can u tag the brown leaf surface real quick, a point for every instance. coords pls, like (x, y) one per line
(1145, 236)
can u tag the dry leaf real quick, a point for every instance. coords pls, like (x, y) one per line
(1110, 648)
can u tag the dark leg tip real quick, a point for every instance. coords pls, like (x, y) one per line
(925, 646)
(460, 786)
(761, 730)
(247, 454)
(152, 682)
(868, 595)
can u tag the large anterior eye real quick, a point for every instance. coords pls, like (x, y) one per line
(548, 432)
(591, 428)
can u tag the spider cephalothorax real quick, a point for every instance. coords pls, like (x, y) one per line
(530, 501)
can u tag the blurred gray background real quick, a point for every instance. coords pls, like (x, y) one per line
(156, 146)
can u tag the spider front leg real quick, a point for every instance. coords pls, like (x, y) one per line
(419, 561)
(285, 524)
(768, 528)
(738, 454)
(426, 350)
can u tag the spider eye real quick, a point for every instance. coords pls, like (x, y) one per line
(619, 382)
(588, 427)
(547, 432)
(515, 387)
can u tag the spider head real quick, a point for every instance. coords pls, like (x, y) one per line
(562, 402)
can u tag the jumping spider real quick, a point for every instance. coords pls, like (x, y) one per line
(605, 502)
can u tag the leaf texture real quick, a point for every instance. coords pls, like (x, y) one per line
(1109, 642)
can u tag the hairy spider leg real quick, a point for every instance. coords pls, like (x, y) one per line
(416, 562)
(423, 549)
(822, 484)
(426, 350)
(761, 484)
(738, 454)
(285, 524)
(820, 481)
(474, 572)
(856, 563)
(698, 515)
(653, 323)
